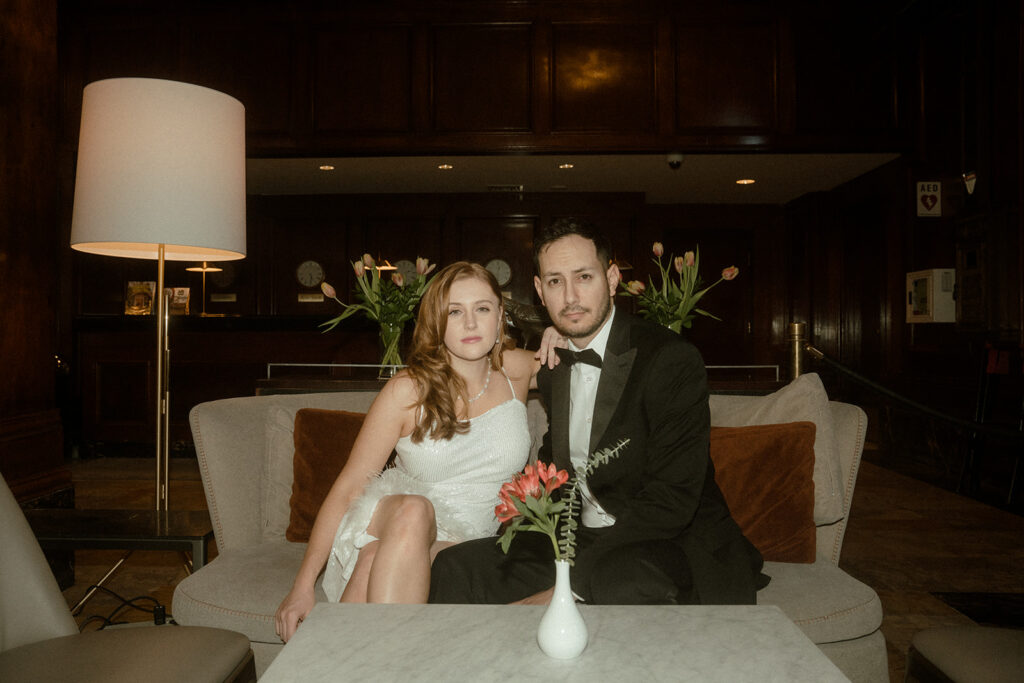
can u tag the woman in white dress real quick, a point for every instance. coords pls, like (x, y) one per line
(457, 418)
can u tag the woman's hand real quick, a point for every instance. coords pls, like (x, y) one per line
(294, 608)
(551, 340)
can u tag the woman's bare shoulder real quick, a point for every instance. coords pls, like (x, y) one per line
(401, 390)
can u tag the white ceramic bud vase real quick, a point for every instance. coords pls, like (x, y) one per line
(562, 633)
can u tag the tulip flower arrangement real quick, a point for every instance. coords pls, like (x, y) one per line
(674, 303)
(526, 503)
(388, 301)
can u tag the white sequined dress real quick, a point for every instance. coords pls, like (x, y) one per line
(460, 476)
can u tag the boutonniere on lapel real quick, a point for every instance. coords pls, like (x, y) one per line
(674, 303)
(526, 504)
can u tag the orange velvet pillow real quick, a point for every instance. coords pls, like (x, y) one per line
(766, 473)
(323, 439)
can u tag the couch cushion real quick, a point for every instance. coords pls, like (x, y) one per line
(802, 400)
(826, 603)
(766, 473)
(323, 440)
(275, 415)
(241, 589)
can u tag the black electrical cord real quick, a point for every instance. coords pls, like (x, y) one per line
(158, 611)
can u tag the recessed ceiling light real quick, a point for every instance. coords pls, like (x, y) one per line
(565, 166)
(326, 167)
(446, 167)
(745, 181)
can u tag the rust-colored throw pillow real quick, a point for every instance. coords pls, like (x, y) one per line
(323, 439)
(766, 473)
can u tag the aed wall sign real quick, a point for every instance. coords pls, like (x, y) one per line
(929, 198)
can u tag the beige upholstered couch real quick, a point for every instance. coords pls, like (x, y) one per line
(244, 447)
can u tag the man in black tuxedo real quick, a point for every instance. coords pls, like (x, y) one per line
(654, 527)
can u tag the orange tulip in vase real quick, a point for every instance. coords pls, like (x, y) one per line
(526, 504)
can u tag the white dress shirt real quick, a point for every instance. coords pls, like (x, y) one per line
(582, 397)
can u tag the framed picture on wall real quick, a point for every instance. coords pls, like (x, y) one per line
(138, 299)
(178, 297)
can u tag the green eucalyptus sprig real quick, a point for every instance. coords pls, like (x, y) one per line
(567, 541)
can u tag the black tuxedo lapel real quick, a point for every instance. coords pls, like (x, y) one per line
(615, 369)
(560, 381)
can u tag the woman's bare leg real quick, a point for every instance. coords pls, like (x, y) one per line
(355, 589)
(400, 570)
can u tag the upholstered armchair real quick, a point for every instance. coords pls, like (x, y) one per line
(39, 640)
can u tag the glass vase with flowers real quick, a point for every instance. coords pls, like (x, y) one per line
(389, 301)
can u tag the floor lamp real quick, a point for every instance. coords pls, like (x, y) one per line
(161, 175)
(204, 269)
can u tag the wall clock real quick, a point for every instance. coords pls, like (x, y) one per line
(407, 269)
(501, 271)
(309, 273)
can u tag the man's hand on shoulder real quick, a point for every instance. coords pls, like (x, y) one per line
(551, 340)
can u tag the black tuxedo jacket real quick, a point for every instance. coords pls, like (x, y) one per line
(653, 391)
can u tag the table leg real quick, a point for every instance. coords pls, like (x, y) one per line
(199, 547)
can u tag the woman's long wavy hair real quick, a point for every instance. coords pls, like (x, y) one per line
(438, 384)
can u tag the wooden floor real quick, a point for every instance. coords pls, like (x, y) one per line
(906, 539)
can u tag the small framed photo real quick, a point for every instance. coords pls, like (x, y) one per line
(179, 300)
(138, 298)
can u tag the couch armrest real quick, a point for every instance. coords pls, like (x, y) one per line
(850, 429)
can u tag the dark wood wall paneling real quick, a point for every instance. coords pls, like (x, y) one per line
(498, 77)
(604, 78)
(481, 78)
(751, 66)
(854, 72)
(373, 68)
(31, 447)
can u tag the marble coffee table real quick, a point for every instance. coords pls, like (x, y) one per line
(498, 642)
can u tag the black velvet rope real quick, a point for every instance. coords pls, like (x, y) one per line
(970, 425)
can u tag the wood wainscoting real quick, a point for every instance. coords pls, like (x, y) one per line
(32, 448)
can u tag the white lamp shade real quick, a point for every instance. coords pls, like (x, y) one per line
(160, 162)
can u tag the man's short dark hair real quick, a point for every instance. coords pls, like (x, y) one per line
(563, 227)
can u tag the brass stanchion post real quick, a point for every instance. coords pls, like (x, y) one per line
(796, 338)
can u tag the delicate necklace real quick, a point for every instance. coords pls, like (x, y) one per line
(486, 384)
